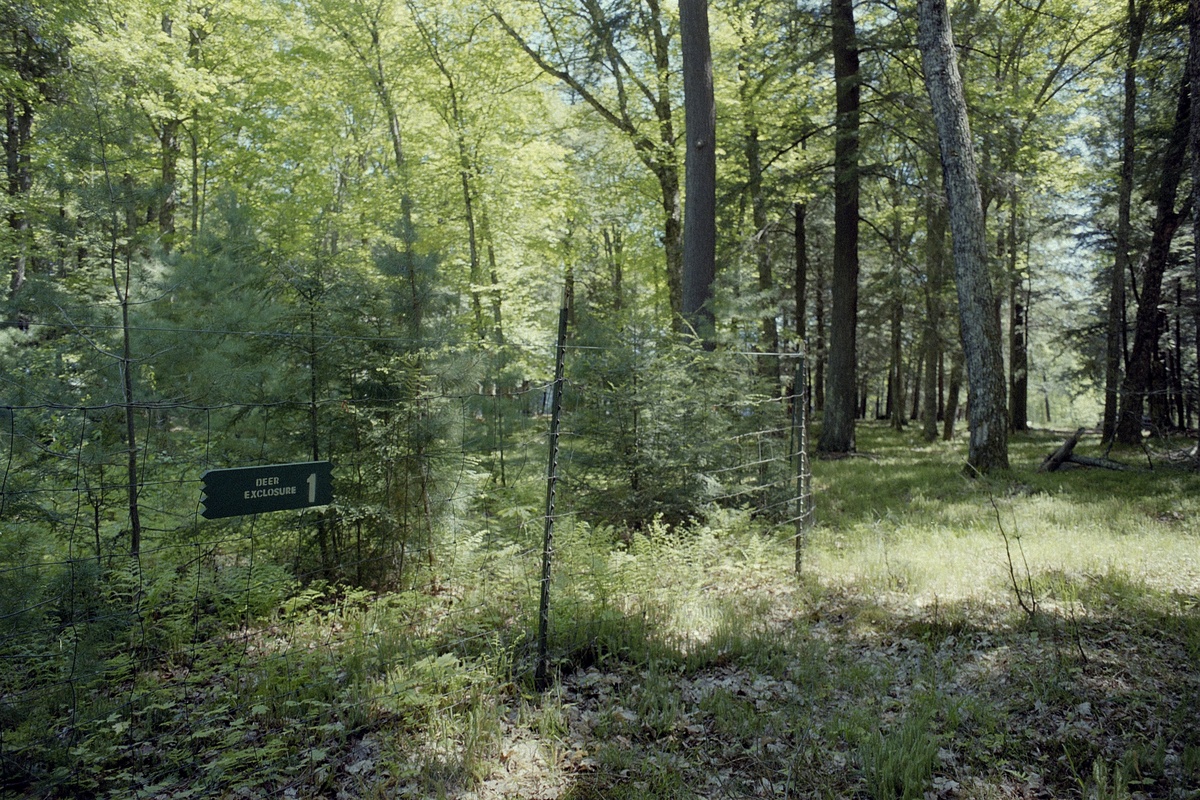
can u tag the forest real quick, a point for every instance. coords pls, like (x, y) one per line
(697, 399)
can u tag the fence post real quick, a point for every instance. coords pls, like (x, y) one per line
(541, 672)
(804, 500)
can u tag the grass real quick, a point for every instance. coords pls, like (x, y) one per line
(929, 531)
(694, 664)
(900, 666)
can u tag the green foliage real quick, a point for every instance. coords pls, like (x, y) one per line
(663, 430)
(306, 275)
(898, 764)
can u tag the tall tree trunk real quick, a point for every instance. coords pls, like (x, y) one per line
(194, 151)
(120, 262)
(1115, 332)
(801, 276)
(369, 54)
(485, 232)
(1018, 375)
(466, 169)
(1018, 327)
(768, 365)
(980, 331)
(1177, 395)
(822, 353)
(314, 424)
(408, 233)
(660, 157)
(1160, 387)
(917, 372)
(837, 430)
(896, 388)
(935, 272)
(18, 127)
(953, 390)
(1194, 138)
(169, 151)
(475, 264)
(671, 201)
(700, 213)
(1147, 327)
(614, 254)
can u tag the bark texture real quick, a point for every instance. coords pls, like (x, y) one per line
(1194, 138)
(935, 265)
(978, 326)
(700, 170)
(837, 430)
(1139, 373)
(1115, 338)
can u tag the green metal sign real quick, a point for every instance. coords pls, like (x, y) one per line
(258, 490)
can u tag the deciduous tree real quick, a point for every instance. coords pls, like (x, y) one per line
(978, 325)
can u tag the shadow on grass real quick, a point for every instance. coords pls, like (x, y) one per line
(1094, 695)
(895, 468)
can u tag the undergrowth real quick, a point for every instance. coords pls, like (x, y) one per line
(688, 660)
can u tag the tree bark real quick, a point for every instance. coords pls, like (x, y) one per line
(822, 353)
(1018, 368)
(950, 416)
(18, 119)
(1062, 454)
(979, 329)
(700, 171)
(935, 279)
(768, 365)
(1147, 328)
(169, 152)
(614, 253)
(896, 387)
(485, 231)
(31, 57)
(1176, 372)
(837, 430)
(1194, 138)
(1018, 327)
(1115, 333)
(801, 276)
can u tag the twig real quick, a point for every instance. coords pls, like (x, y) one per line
(1030, 608)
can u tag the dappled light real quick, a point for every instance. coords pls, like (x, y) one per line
(498, 399)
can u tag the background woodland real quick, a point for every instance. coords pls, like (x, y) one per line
(251, 232)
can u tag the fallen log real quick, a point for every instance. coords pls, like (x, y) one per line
(1065, 455)
(1062, 454)
(1101, 463)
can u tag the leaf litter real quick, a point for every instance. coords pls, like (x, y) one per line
(1097, 703)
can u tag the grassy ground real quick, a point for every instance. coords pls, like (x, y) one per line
(1036, 635)
(1028, 636)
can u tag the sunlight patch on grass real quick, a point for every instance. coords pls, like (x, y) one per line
(970, 561)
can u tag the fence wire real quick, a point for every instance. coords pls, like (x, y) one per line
(232, 657)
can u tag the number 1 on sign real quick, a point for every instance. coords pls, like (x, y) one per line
(312, 487)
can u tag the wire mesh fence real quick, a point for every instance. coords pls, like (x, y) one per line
(150, 652)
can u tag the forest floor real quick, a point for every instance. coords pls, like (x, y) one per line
(1034, 638)
(1032, 635)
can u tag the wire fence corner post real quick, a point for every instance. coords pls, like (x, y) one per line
(542, 671)
(804, 501)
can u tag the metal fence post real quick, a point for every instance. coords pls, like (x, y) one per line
(541, 672)
(804, 501)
